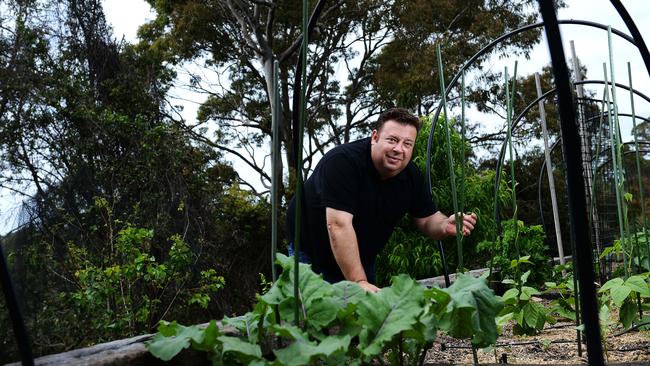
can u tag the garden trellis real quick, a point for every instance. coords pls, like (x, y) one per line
(577, 159)
(580, 195)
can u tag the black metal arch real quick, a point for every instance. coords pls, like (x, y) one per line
(525, 111)
(487, 49)
(631, 26)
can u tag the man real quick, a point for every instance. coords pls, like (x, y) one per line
(358, 193)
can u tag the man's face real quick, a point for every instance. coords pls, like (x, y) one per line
(392, 148)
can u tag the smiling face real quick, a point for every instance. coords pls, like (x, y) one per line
(392, 147)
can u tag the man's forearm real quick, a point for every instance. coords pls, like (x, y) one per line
(434, 226)
(346, 252)
(345, 248)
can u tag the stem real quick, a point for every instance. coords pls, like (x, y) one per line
(475, 355)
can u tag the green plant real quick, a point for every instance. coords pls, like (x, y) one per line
(565, 305)
(408, 251)
(625, 295)
(529, 315)
(398, 323)
(125, 291)
(530, 240)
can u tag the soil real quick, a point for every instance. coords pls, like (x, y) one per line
(555, 345)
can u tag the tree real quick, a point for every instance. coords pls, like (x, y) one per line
(238, 41)
(115, 193)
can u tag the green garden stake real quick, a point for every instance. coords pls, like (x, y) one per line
(450, 161)
(462, 144)
(616, 169)
(509, 103)
(301, 129)
(274, 169)
(638, 162)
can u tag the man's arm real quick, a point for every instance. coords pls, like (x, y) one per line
(343, 241)
(439, 226)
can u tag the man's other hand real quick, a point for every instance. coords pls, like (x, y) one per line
(368, 286)
(469, 221)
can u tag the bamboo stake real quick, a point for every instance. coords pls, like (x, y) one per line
(509, 102)
(617, 131)
(450, 161)
(301, 128)
(275, 156)
(549, 172)
(614, 146)
(638, 162)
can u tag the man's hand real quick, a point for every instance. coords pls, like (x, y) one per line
(468, 224)
(438, 226)
(368, 286)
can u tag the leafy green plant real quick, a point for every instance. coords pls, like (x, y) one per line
(529, 316)
(398, 323)
(531, 246)
(408, 251)
(565, 305)
(121, 291)
(624, 295)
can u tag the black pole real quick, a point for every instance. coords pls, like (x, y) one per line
(443, 259)
(22, 338)
(638, 39)
(576, 190)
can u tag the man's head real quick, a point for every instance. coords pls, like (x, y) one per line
(393, 140)
(399, 115)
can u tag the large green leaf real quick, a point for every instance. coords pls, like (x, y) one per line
(210, 338)
(614, 282)
(637, 283)
(322, 312)
(527, 292)
(389, 312)
(310, 285)
(172, 339)
(472, 311)
(619, 294)
(166, 348)
(302, 352)
(628, 313)
(534, 315)
(289, 331)
(240, 349)
(347, 293)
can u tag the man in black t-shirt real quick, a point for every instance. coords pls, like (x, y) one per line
(357, 194)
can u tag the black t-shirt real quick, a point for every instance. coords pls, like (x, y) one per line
(346, 179)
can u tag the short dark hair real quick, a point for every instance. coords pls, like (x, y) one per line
(399, 115)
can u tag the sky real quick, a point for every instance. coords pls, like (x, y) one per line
(126, 16)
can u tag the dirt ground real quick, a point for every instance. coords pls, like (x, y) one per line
(555, 345)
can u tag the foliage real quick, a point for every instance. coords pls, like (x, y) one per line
(529, 315)
(565, 305)
(530, 240)
(240, 40)
(398, 322)
(89, 146)
(128, 288)
(410, 252)
(624, 294)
